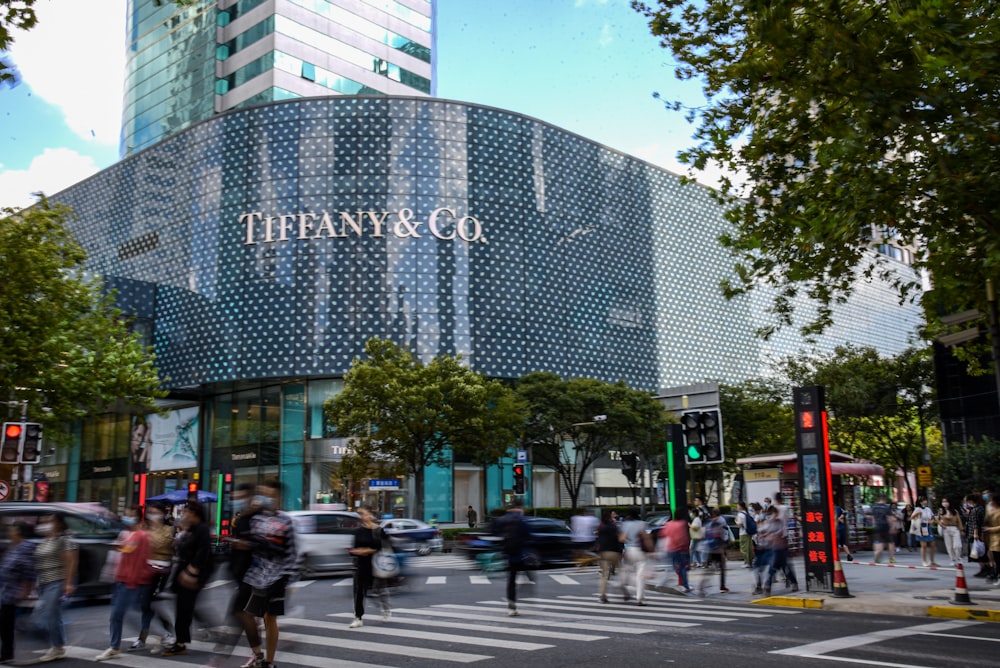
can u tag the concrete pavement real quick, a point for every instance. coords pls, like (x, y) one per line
(904, 588)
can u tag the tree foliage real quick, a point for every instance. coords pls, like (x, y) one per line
(14, 15)
(396, 409)
(968, 470)
(757, 418)
(63, 345)
(847, 118)
(564, 434)
(881, 408)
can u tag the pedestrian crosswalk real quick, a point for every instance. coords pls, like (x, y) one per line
(462, 633)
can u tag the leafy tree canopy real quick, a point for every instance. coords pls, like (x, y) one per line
(849, 119)
(757, 419)
(397, 409)
(564, 434)
(881, 408)
(62, 343)
(14, 15)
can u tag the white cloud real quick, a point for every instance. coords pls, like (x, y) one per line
(606, 37)
(74, 58)
(54, 170)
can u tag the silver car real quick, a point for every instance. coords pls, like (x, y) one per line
(323, 537)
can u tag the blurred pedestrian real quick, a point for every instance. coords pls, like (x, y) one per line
(911, 541)
(369, 538)
(609, 550)
(974, 532)
(56, 563)
(696, 531)
(240, 551)
(743, 521)
(515, 532)
(949, 522)
(780, 552)
(132, 575)
(675, 538)
(882, 519)
(472, 516)
(273, 566)
(840, 519)
(194, 567)
(775, 532)
(715, 542)
(17, 579)
(161, 556)
(635, 538)
(991, 536)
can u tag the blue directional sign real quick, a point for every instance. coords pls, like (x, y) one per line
(522, 457)
(390, 483)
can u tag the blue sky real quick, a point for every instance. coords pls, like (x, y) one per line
(588, 66)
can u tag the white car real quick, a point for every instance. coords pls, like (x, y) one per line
(324, 538)
(410, 534)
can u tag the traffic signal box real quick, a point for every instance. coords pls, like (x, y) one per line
(192, 491)
(629, 466)
(21, 443)
(519, 478)
(10, 448)
(703, 437)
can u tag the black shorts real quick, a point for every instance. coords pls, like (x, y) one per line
(242, 597)
(269, 601)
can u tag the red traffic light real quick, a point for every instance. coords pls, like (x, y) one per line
(518, 469)
(192, 488)
(13, 430)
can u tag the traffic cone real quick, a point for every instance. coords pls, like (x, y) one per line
(839, 581)
(961, 592)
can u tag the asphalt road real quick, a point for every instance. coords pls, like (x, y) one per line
(450, 615)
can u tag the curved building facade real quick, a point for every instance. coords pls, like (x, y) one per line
(261, 248)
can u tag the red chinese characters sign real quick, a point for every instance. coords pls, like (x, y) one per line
(813, 452)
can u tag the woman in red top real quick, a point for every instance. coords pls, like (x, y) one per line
(131, 574)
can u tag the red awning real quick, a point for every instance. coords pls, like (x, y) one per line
(840, 468)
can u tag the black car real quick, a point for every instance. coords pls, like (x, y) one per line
(550, 542)
(91, 526)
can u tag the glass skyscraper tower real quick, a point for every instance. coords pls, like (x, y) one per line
(187, 63)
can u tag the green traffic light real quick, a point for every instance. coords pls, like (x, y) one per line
(693, 452)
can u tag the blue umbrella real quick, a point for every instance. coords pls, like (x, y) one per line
(181, 496)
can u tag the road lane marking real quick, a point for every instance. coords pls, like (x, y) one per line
(602, 618)
(479, 580)
(437, 579)
(397, 632)
(384, 648)
(564, 579)
(632, 614)
(821, 649)
(661, 604)
(467, 614)
(404, 616)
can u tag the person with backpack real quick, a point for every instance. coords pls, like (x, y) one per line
(513, 528)
(714, 545)
(748, 529)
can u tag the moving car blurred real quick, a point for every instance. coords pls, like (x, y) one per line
(92, 527)
(550, 542)
(413, 535)
(324, 536)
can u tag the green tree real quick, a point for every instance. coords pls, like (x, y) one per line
(14, 15)
(881, 408)
(757, 419)
(576, 422)
(63, 345)
(850, 120)
(968, 470)
(396, 408)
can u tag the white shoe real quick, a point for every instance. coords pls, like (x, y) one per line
(53, 654)
(109, 653)
(386, 615)
(356, 623)
(513, 613)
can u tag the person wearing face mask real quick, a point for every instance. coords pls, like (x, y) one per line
(132, 573)
(17, 578)
(974, 531)
(950, 524)
(194, 566)
(273, 566)
(922, 532)
(161, 553)
(56, 560)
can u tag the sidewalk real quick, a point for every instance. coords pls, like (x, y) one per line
(903, 588)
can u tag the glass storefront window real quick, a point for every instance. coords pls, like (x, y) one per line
(319, 392)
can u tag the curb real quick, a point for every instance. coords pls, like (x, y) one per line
(789, 602)
(959, 612)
